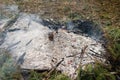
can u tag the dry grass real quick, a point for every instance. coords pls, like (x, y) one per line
(59, 9)
(100, 10)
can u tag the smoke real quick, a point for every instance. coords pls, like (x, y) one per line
(80, 27)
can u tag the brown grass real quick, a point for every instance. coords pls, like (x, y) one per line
(103, 11)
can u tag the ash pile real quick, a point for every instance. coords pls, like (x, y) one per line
(43, 45)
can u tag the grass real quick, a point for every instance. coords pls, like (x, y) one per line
(8, 69)
(96, 72)
(42, 76)
(60, 9)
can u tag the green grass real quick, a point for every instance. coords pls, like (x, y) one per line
(8, 69)
(95, 72)
(54, 76)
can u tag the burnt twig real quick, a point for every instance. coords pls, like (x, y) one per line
(48, 75)
(81, 56)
